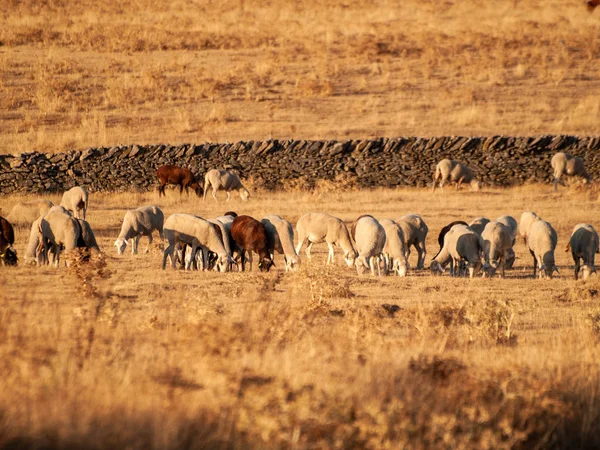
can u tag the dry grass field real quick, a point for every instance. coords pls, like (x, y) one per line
(117, 353)
(80, 73)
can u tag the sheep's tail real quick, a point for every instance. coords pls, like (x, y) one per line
(568, 249)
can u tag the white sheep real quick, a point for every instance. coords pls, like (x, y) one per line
(76, 200)
(565, 164)
(478, 224)
(394, 251)
(315, 228)
(34, 254)
(583, 244)
(527, 219)
(415, 233)
(542, 239)
(60, 229)
(27, 212)
(197, 233)
(511, 223)
(280, 238)
(370, 238)
(454, 171)
(139, 222)
(226, 239)
(224, 180)
(497, 241)
(460, 244)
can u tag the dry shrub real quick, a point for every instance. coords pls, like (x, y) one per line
(342, 182)
(438, 368)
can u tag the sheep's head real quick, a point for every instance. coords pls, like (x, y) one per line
(197, 189)
(244, 194)
(265, 264)
(292, 263)
(350, 257)
(224, 263)
(120, 244)
(436, 268)
(475, 185)
(361, 265)
(400, 268)
(547, 270)
(9, 257)
(510, 259)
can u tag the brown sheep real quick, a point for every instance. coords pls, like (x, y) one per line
(8, 255)
(251, 236)
(179, 176)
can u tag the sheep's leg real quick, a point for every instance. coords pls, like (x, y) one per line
(214, 194)
(228, 196)
(577, 267)
(250, 259)
(502, 264)
(135, 244)
(330, 257)
(459, 182)
(308, 249)
(149, 242)
(534, 262)
(422, 254)
(301, 241)
(168, 252)
(555, 184)
(181, 189)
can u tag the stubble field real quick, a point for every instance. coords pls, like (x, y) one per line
(119, 353)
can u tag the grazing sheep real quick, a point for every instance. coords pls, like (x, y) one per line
(224, 233)
(541, 239)
(460, 244)
(236, 250)
(415, 233)
(60, 229)
(24, 213)
(511, 223)
(139, 222)
(251, 236)
(178, 176)
(315, 228)
(527, 218)
(370, 239)
(565, 164)
(224, 180)
(478, 224)
(583, 244)
(454, 171)
(195, 232)
(394, 251)
(76, 201)
(34, 254)
(445, 230)
(88, 238)
(280, 238)
(497, 241)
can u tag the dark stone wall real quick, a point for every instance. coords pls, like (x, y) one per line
(405, 161)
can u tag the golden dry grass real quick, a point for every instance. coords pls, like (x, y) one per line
(118, 353)
(75, 74)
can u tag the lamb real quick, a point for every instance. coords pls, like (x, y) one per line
(370, 239)
(460, 243)
(415, 233)
(454, 171)
(24, 213)
(251, 236)
(195, 232)
(563, 163)
(76, 201)
(394, 251)
(280, 238)
(497, 241)
(583, 244)
(139, 222)
(541, 239)
(60, 229)
(478, 224)
(315, 228)
(224, 180)
(512, 226)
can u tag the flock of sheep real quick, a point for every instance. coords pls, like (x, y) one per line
(381, 246)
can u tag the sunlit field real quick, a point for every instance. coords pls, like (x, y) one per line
(117, 353)
(77, 74)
